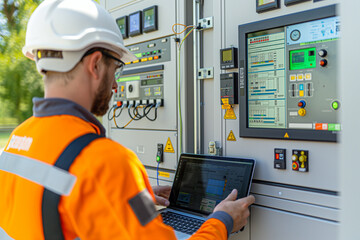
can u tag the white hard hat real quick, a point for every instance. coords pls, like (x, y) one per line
(71, 28)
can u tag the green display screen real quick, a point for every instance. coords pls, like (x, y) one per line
(149, 18)
(303, 59)
(121, 23)
(227, 55)
(125, 79)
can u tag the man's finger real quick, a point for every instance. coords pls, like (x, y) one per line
(162, 201)
(232, 196)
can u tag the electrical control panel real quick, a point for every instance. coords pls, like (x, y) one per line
(229, 87)
(150, 52)
(145, 87)
(288, 76)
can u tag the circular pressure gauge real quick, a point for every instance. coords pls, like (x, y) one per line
(295, 35)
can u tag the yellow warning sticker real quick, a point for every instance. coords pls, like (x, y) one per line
(286, 135)
(230, 114)
(164, 174)
(225, 100)
(231, 136)
(225, 103)
(169, 147)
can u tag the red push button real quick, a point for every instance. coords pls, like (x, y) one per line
(323, 62)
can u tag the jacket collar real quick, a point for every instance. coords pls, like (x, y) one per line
(45, 107)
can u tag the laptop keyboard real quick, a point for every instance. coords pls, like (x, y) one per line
(181, 223)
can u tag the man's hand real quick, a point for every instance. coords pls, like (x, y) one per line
(237, 209)
(162, 194)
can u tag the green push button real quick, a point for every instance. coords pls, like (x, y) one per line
(335, 105)
(331, 127)
(158, 159)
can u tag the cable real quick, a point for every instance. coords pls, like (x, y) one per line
(111, 109)
(116, 122)
(179, 53)
(118, 115)
(180, 24)
(157, 173)
(136, 116)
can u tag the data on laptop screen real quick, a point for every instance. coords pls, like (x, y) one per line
(201, 183)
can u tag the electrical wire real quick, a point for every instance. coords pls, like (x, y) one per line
(179, 53)
(157, 173)
(110, 111)
(180, 24)
(116, 122)
(136, 116)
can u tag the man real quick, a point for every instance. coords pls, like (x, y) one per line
(105, 194)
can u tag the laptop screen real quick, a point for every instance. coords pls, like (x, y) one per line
(201, 182)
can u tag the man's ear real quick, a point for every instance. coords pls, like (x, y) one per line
(93, 64)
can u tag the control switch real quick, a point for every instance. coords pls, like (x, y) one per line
(300, 160)
(280, 158)
(160, 153)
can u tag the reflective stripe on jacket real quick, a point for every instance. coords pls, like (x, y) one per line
(110, 190)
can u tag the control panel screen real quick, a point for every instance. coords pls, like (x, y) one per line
(302, 59)
(289, 81)
(264, 2)
(149, 18)
(122, 23)
(227, 55)
(135, 23)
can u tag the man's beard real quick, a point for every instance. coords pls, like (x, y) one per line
(102, 98)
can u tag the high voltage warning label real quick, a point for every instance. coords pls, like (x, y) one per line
(169, 147)
(230, 114)
(231, 136)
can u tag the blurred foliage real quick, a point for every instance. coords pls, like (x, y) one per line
(19, 79)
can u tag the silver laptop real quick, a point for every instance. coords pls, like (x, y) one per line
(201, 182)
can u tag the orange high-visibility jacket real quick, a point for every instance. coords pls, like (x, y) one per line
(108, 177)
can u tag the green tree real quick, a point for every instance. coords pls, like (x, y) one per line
(19, 79)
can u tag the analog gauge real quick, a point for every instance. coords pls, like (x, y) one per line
(295, 35)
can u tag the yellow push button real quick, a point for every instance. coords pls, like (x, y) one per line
(302, 112)
(144, 59)
(150, 58)
(136, 61)
(127, 63)
(301, 93)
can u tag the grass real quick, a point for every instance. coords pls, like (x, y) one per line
(4, 137)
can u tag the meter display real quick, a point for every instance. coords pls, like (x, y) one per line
(302, 59)
(266, 5)
(123, 26)
(287, 86)
(135, 24)
(150, 16)
(228, 58)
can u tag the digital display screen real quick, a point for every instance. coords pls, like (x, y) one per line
(134, 22)
(227, 55)
(302, 59)
(149, 20)
(297, 57)
(264, 2)
(204, 183)
(121, 22)
(151, 82)
(266, 79)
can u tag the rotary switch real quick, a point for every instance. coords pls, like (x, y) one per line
(322, 53)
